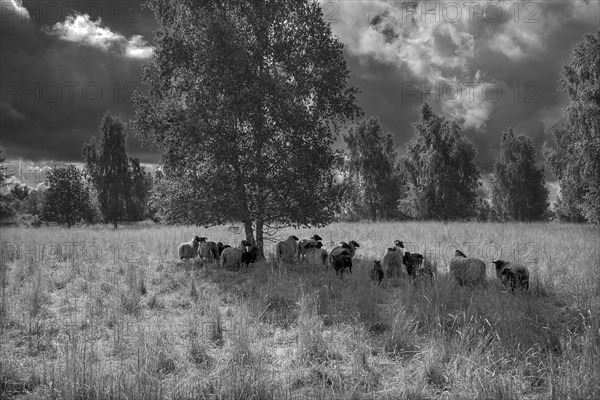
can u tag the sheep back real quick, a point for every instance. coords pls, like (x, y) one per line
(349, 247)
(188, 250)
(316, 256)
(231, 257)
(468, 271)
(513, 275)
(392, 262)
(286, 250)
(208, 250)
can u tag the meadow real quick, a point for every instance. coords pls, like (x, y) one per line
(97, 313)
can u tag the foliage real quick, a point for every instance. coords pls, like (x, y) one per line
(245, 101)
(439, 169)
(141, 185)
(121, 184)
(518, 189)
(8, 204)
(33, 203)
(66, 199)
(576, 158)
(373, 186)
(108, 167)
(20, 191)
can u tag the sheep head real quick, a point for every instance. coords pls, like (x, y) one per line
(355, 244)
(399, 243)
(316, 237)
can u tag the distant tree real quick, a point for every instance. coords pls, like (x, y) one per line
(33, 203)
(518, 187)
(140, 185)
(66, 199)
(3, 176)
(8, 204)
(371, 166)
(482, 210)
(576, 158)
(439, 169)
(108, 167)
(245, 101)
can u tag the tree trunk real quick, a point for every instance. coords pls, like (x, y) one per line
(259, 239)
(249, 232)
(373, 211)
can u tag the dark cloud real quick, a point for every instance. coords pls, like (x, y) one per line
(55, 91)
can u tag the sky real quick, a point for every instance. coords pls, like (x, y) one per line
(488, 65)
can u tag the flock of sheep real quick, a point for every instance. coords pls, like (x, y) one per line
(468, 271)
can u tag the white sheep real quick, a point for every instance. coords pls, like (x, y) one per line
(512, 274)
(189, 249)
(285, 250)
(317, 255)
(467, 271)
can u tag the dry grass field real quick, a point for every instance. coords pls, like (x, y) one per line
(96, 313)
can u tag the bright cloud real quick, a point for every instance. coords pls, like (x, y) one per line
(80, 29)
(442, 42)
(13, 9)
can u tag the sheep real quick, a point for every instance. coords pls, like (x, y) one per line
(232, 257)
(413, 263)
(301, 246)
(467, 271)
(249, 256)
(220, 248)
(207, 249)
(189, 249)
(512, 274)
(341, 261)
(285, 250)
(392, 261)
(317, 255)
(377, 272)
(350, 247)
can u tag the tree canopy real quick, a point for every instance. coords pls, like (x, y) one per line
(576, 157)
(108, 167)
(66, 199)
(518, 189)
(372, 182)
(439, 170)
(245, 101)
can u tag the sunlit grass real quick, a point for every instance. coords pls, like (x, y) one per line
(97, 313)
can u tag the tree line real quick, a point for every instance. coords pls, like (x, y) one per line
(245, 116)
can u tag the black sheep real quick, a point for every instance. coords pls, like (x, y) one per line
(340, 262)
(377, 272)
